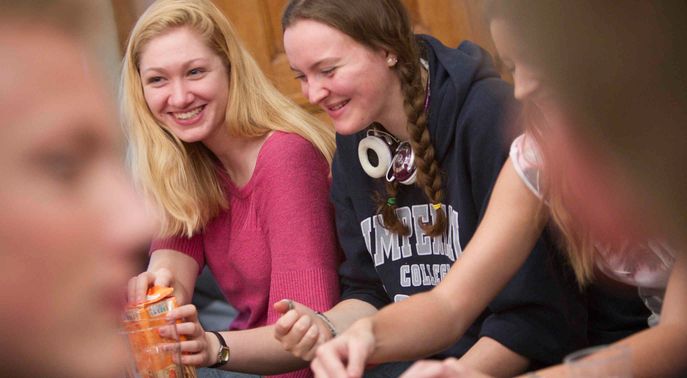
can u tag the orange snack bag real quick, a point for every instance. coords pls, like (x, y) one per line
(153, 354)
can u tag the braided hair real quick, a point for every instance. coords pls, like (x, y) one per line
(385, 24)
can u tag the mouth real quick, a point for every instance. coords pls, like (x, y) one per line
(185, 116)
(337, 106)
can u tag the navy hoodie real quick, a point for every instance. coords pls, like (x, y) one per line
(468, 117)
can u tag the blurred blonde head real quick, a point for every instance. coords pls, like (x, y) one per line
(181, 177)
(71, 224)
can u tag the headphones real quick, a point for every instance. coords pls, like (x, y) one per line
(374, 153)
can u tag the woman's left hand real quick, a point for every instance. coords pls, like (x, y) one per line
(448, 368)
(196, 345)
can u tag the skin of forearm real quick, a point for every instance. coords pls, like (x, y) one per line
(347, 312)
(434, 320)
(491, 357)
(256, 351)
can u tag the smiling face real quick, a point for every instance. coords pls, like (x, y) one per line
(352, 83)
(185, 84)
(71, 223)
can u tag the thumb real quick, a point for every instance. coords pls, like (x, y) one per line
(284, 305)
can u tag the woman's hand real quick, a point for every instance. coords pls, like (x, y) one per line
(299, 329)
(345, 355)
(448, 368)
(197, 346)
(138, 286)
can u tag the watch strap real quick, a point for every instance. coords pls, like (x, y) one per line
(222, 345)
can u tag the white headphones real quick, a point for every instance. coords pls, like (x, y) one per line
(374, 153)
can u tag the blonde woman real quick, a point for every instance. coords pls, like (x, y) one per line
(240, 175)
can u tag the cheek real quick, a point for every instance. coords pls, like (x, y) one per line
(155, 100)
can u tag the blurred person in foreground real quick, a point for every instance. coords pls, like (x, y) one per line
(71, 223)
(620, 70)
(616, 130)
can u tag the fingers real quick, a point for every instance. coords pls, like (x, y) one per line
(138, 286)
(301, 336)
(305, 349)
(284, 305)
(357, 356)
(330, 357)
(283, 325)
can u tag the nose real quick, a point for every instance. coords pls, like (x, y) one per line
(315, 91)
(181, 96)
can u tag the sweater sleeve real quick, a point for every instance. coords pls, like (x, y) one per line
(359, 279)
(192, 246)
(540, 313)
(299, 225)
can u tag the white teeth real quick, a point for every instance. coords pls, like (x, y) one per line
(339, 106)
(189, 114)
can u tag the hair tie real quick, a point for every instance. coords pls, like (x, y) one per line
(391, 201)
(436, 206)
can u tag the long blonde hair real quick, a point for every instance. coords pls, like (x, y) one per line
(573, 236)
(181, 178)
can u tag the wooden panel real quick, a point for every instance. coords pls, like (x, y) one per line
(258, 23)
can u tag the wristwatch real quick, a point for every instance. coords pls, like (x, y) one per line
(223, 354)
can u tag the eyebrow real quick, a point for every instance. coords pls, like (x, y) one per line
(184, 65)
(317, 64)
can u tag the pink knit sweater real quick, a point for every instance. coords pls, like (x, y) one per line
(277, 238)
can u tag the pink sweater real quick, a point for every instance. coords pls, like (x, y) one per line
(277, 239)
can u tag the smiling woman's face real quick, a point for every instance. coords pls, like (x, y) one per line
(185, 84)
(71, 223)
(352, 83)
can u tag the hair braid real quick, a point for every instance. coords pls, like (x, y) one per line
(388, 210)
(428, 172)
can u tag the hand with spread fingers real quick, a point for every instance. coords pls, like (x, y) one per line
(300, 329)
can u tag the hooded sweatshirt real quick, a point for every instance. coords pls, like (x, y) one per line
(539, 313)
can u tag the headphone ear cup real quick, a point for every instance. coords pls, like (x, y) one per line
(379, 148)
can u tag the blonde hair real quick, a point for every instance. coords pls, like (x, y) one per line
(573, 237)
(181, 177)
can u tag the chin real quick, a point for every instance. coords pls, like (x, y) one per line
(345, 128)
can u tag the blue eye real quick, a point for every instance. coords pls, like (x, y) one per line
(154, 80)
(195, 71)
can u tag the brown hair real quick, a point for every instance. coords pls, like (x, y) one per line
(385, 24)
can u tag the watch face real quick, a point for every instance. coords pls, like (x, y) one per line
(223, 355)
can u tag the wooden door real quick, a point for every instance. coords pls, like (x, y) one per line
(258, 24)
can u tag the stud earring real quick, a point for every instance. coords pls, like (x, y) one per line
(391, 61)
